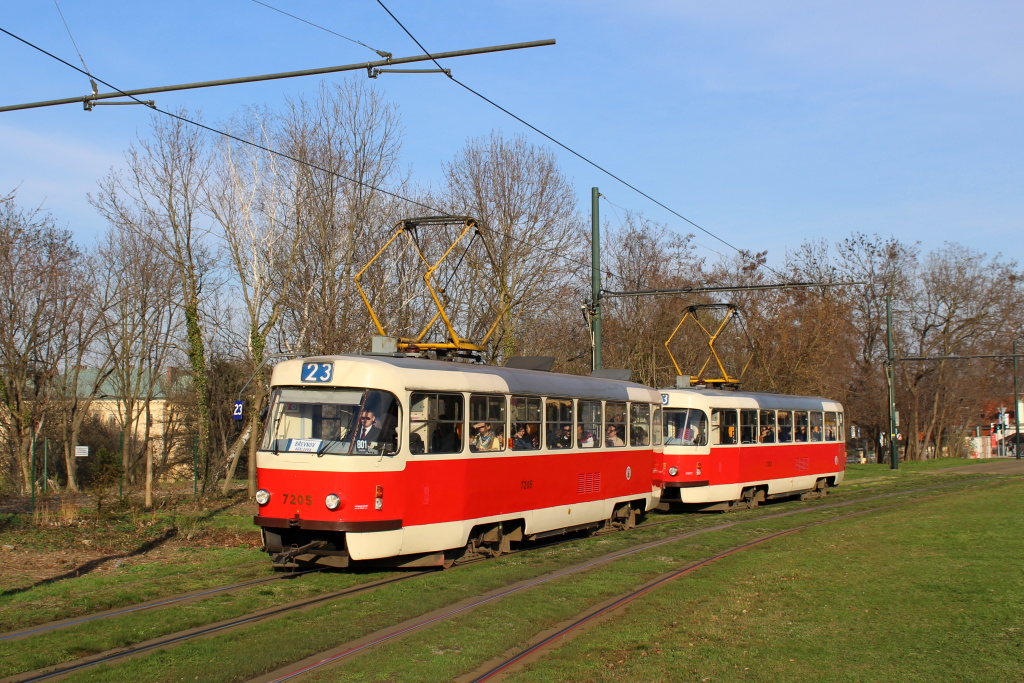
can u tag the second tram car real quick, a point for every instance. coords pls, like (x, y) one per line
(725, 449)
(399, 461)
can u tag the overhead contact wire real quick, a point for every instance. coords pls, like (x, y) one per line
(382, 53)
(742, 252)
(283, 155)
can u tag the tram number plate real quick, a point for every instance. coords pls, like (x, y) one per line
(292, 499)
(317, 372)
(527, 484)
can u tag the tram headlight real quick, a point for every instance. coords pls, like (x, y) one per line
(673, 471)
(263, 496)
(698, 468)
(332, 501)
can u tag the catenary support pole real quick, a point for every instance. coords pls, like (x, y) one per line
(890, 375)
(1016, 407)
(595, 275)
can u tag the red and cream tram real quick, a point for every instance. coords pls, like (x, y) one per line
(398, 461)
(730, 448)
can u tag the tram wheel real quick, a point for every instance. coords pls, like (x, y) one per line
(452, 556)
(750, 498)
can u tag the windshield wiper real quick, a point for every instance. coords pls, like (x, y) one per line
(277, 423)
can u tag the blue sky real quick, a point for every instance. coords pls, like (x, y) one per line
(766, 122)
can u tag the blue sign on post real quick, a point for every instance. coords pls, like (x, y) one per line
(237, 413)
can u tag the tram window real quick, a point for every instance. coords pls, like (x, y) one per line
(526, 421)
(840, 428)
(559, 422)
(723, 426)
(800, 420)
(588, 429)
(817, 423)
(785, 426)
(435, 423)
(830, 426)
(748, 426)
(640, 424)
(615, 424)
(656, 426)
(487, 423)
(332, 422)
(685, 427)
(767, 433)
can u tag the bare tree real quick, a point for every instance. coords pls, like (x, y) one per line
(44, 294)
(249, 198)
(639, 254)
(527, 208)
(78, 384)
(950, 312)
(159, 197)
(351, 133)
(144, 324)
(884, 267)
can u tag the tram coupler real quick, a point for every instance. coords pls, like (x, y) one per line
(286, 558)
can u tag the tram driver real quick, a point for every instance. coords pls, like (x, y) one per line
(366, 433)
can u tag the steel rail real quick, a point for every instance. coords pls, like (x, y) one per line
(158, 602)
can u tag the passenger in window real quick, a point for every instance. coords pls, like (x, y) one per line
(639, 435)
(446, 438)
(484, 439)
(520, 441)
(613, 437)
(767, 435)
(815, 433)
(415, 443)
(801, 433)
(562, 437)
(533, 435)
(584, 438)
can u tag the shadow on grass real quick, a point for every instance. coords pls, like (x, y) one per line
(91, 565)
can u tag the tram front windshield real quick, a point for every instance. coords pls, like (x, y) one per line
(685, 427)
(332, 422)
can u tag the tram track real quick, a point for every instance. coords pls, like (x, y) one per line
(535, 649)
(385, 635)
(142, 606)
(552, 638)
(61, 670)
(359, 646)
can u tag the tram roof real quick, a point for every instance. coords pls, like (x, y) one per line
(746, 399)
(396, 372)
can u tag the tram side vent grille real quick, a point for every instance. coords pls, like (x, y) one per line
(589, 482)
(802, 465)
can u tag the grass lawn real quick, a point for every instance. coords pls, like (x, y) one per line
(796, 606)
(929, 592)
